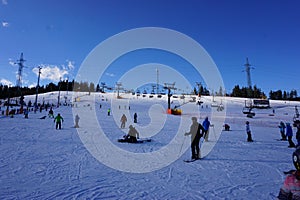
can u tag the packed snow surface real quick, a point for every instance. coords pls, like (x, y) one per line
(39, 162)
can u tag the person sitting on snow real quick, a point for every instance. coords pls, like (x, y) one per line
(51, 113)
(226, 127)
(132, 135)
(291, 185)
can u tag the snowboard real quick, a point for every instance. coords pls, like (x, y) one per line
(138, 141)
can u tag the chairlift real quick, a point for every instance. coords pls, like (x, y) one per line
(248, 112)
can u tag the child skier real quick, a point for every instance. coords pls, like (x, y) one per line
(248, 131)
(58, 120)
(282, 130)
(206, 125)
(291, 185)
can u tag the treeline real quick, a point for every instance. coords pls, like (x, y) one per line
(11, 92)
(66, 85)
(284, 95)
(201, 90)
(247, 92)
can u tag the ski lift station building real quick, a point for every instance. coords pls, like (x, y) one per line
(260, 103)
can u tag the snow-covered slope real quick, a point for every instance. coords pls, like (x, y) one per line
(39, 162)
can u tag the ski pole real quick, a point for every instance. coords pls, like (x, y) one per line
(181, 146)
(214, 132)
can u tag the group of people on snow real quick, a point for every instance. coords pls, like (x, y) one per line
(286, 132)
(123, 120)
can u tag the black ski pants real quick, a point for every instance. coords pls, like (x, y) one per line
(195, 146)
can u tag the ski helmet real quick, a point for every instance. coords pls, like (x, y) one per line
(296, 158)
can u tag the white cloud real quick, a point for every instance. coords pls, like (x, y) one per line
(5, 82)
(11, 62)
(70, 64)
(5, 24)
(32, 85)
(4, 2)
(109, 74)
(50, 72)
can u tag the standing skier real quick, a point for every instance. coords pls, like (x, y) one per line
(58, 120)
(206, 125)
(298, 134)
(77, 121)
(108, 112)
(291, 185)
(282, 130)
(135, 118)
(248, 131)
(26, 113)
(289, 134)
(123, 120)
(195, 138)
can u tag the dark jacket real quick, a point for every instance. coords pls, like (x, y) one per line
(195, 130)
(289, 130)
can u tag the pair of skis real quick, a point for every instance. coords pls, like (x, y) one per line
(192, 160)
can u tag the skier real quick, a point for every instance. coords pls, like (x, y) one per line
(291, 185)
(298, 134)
(132, 135)
(206, 125)
(108, 112)
(77, 121)
(249, 138)
(282, 130)
(135, 118)
(26, 113)
(58, 120)
(195, 138)
(51, 113)
(123, 120)
(289, 134)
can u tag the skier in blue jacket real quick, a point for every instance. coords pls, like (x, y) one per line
(289, 134)
(206, 125)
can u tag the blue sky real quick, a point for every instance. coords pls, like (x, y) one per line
(59, 34)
